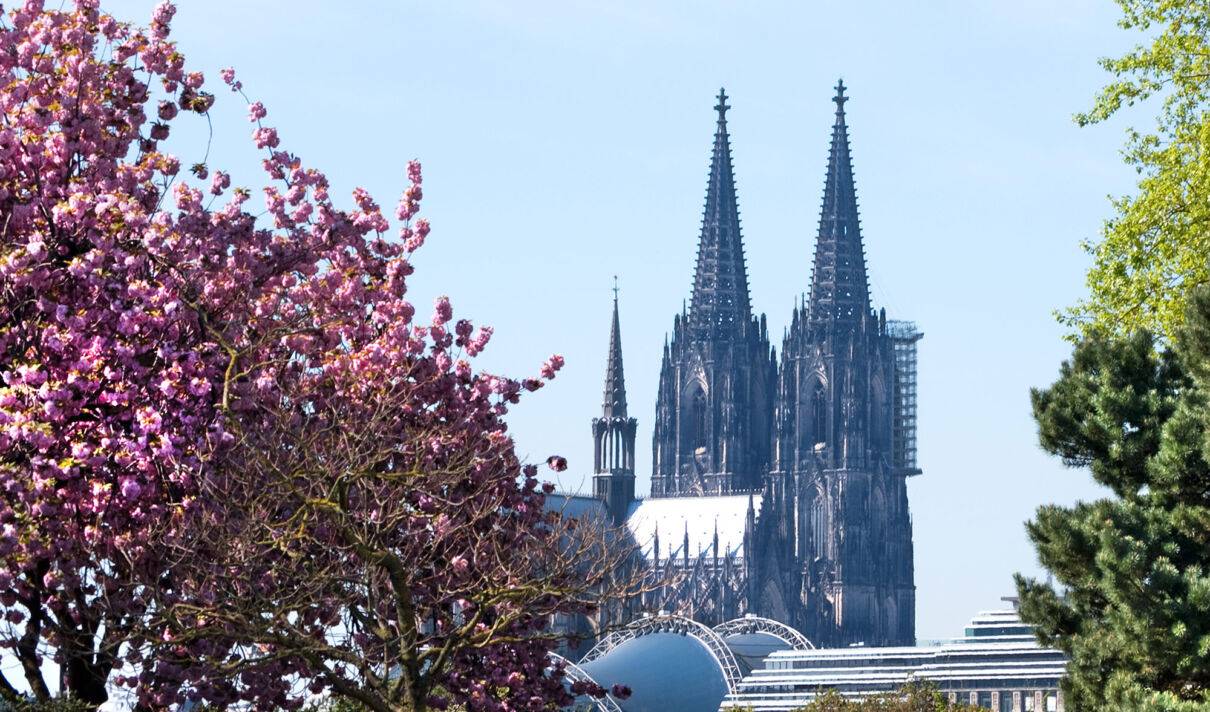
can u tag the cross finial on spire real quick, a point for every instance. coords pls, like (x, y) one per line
(840, 98)
(722, 105)
(615, 288)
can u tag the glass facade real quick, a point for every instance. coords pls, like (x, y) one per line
(997, 665)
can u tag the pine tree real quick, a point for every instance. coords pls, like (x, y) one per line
(1132, 609)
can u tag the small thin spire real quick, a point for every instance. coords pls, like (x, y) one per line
(614, 405)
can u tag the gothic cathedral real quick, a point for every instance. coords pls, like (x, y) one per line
(778, 484)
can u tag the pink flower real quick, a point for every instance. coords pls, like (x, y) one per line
(479, 342)
(557, 463)
(265, 137)
(162, 14)
(130, 488)
(552, 366)
(228, 75)
(442, 311)
(220, 182)
(256, 111)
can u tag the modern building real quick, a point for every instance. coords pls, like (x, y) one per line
(778, 483)
(674, 663)
(753, 663)
(996, 665)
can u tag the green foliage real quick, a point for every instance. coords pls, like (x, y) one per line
(912, 698)
(1154, 249)
(344, 704)
(336, 704)
(1135, 618)
(57, 704)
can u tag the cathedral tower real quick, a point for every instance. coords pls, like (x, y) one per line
(613, 433)
(835, 457)
(712, 428)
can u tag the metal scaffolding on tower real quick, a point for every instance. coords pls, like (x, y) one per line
(904, 336)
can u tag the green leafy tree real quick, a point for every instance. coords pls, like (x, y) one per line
(1135, 613)
(1153, 250)
(912, 698)
(55, 704)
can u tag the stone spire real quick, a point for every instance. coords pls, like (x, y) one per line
(615, 381)
(840, 292)
(720, 285)
(613, 433)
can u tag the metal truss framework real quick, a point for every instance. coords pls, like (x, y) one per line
(749, 625)
(576, 674)
(677, 625)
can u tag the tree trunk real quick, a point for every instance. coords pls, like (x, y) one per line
(85, 680)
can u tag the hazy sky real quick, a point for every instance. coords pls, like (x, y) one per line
(565, 142)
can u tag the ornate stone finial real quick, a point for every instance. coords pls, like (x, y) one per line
(840, 98)
(615, 288)
(722, 105)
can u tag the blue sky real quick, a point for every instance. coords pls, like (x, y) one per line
(565, 142)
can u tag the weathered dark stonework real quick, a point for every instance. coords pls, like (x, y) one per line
(834, 474)
(712, 428)
(818, 445)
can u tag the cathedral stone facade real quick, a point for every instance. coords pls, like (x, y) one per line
(778, 483)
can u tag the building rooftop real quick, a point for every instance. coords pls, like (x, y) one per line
(697, 518)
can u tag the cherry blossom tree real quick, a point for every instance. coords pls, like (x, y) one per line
(382, 551)
(171, 360)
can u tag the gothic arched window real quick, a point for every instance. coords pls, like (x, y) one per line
(880, 415)
(819, 415)
(698, 438)
(819, 525)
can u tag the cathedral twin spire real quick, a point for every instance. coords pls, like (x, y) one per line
(839, 288)
(713, 428)
(839, 285)
(720, 302)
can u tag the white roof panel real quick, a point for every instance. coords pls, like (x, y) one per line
(699, 517)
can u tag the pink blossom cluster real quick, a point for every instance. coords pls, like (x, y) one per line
(147, 319)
